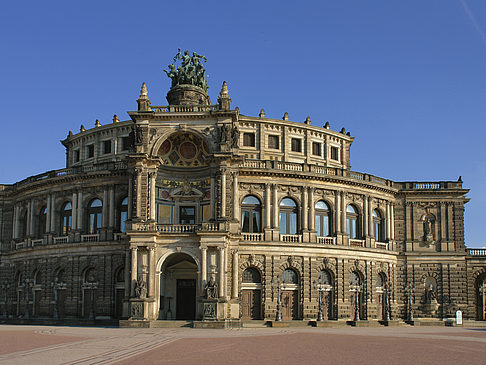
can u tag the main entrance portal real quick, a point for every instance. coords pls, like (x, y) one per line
(178, 288)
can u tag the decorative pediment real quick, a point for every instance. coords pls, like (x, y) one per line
(186, 190)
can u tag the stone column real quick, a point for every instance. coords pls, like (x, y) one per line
(74, 211)
(213, 195)
(223, 193)
(151, 273)
(268, 223)
(236, 198)
(443, 219)
(312, 210)
(130, 196)
(275, 207)
(32, 217)
(134, 270)
(366, 216)
(104, 208)
(221, 271)
(234, 294)
(370, 216)
(138, 186)
(53, 213)
(387, 231)
(80, 210)
(392, 221)
(16, 222)
(153, 179)
(305, 210)
(337, 216)
(111, 212)
(48, 215)
(27, 226)
(343, 212)
(204, 267)
(127, 274)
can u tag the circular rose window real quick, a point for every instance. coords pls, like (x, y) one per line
(187, 150)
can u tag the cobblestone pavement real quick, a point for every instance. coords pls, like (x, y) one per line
(86, 345)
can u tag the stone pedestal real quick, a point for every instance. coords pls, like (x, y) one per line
(187, 95)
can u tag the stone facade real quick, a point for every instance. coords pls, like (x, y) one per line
(193, 210)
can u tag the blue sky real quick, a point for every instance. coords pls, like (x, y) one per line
(406, 78)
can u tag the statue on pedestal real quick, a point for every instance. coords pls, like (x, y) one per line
(211, 289)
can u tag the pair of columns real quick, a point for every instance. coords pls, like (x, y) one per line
(134, 271)
(221, 269)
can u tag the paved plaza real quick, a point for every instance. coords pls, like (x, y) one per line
(88, 345)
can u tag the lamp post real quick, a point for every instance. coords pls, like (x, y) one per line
(91, 286)
(319, 287)
(277, 285)
(5, 288)
(357, 290)
(409, 290)
(57, 286)
(387, 290)
(27, 285)
(481, 296)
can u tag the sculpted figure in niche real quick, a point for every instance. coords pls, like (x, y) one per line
(211, 289)
(140, 289)
(235, 137)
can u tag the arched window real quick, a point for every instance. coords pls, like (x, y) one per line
(288, 216)
(90, 276)
(354, 279)
(66, 218)
(252, 275)
(41, 227)
(381, 280)
(123, 215)
(289, 276)
(322, 219)
(352, 218)
(377, 226)
(325, 278)
(59, 278)
(37, 278)
(251, 215)
(94, 216)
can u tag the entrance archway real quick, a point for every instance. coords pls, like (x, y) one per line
(290, 295)
(481, 298)
(251, 294)
(178, 288)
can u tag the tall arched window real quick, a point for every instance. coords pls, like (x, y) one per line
(322, 219)
(41, 226)
(325, 277)
(381, 280)
(352, 217)
(289, 276)
(66, 218)
(94, 216)
(251, 275)
(123, 215)
(251, 215)
(377, 226)
(288, 216)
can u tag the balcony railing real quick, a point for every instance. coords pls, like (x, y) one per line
(258, 237)
(381, 245)
(476, 251)
(356, 243)
(38, 242)
(90, 237)
(293, 238)
(326, 240)
(60, 240)
(177, 228)
(183, 108)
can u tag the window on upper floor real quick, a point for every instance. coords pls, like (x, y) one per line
(322, 219)
(316, 149)
(273, 142)
(123, 215)
(124, 143)
(334, 153)
(249, 139)
(296, 144)
(76, 156)
(106, 147)
(41, 226)
(90, 151)
(377, 226)
(95, 209)
(288, 216)
(66, 218)
(251, 214)
(187, 214)
(352, 218)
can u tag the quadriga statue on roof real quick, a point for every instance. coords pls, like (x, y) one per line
(191, 71)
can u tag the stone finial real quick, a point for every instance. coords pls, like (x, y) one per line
(307, 120)
(348, 134)
(460, 179)
(143, 101)
(115, 119)
(327, 126)
(82, 129)
(97, 123)
(262, 113)
(285, 116)
(70, 134)
(224, 101)
(343, 131)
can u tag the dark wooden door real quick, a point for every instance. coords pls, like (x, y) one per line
(326, 305)
(186, 299)
(88, 304)
(251, 303)
(379, 307)
(119, 295)
(353, 305)
(290, 305)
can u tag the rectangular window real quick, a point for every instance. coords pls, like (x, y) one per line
(90, 151)
(76, 156)
(273, 142)
(124, 144)
(187, 215)
(316, 148)
(296, 145)
(106, 147)
(335, 153)
(249, 139)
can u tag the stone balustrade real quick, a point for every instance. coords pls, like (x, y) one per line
(255, 237)
(292, 238)
(326, 240)
(476, 251)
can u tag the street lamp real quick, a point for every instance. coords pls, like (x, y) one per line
(319, 286)
(5, 288)
(27, 285)
(409, 290)
(357, 289)
(277, 285)
(92, 286)
(387, 305)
